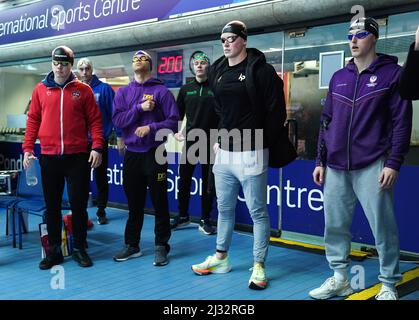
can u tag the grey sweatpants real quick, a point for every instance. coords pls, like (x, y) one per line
(342, 189)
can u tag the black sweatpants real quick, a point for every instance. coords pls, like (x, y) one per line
(186, 170)
(55, 170)
(142, 170)
(101, 179)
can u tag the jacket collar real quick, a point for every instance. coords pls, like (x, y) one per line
(50, 82)
(381, 60)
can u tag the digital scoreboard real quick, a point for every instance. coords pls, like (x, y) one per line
(170, 68)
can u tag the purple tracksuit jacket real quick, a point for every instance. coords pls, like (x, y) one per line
(128, 114)
(365, 118)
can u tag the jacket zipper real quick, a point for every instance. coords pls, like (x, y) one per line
(61, 117)
(200, 91)
(350, 122)
(61, 120)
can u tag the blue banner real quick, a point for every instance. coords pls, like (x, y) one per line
(301, 199)
(116, 192)
(302, 202)
(58, 17)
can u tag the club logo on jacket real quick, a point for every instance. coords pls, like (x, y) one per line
(373, 82)
(192, 93)
(148, 97)
(49, 93)
(76, 94)
(242, 77)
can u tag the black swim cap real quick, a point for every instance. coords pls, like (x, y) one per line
(63, 53)
(236, 27)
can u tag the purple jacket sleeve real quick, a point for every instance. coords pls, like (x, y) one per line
(124, 115)
(170, 112)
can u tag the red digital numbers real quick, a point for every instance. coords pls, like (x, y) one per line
(170, 64)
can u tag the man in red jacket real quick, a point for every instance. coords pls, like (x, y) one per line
(62, 111)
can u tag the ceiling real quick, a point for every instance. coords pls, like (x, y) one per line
(10, 4)
(324, 38)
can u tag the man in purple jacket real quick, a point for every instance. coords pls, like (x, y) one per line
(141, 109)
(364, 136)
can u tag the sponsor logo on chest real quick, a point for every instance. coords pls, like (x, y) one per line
(192, 93)
(148, 97)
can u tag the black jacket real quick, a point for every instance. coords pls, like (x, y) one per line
(409, 78)
(266, 92)
(196, 101)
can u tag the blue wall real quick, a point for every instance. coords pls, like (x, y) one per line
(301, 199)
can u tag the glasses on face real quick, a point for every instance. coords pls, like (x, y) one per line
(359, 35)
(140, 58)
(229, 39)
(63, 63)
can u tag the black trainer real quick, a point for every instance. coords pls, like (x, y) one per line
(179, 222)
(51, 260)
(127, 253)
(206, 227)
(160, 258)
(101, 216)
(82, 258)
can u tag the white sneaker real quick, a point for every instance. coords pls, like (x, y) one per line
(258, 280)
(212, 265)
(331, 288)
(387, 294)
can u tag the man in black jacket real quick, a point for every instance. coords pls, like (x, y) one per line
(251, 107)
(196, 101)
(409, 79)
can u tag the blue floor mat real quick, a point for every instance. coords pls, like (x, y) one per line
(292, 273)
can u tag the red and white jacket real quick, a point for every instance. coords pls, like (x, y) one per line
(61, 118)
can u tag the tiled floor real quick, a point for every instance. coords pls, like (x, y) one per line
(292, 273)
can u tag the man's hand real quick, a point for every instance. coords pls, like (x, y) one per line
(95, 159)
(216, 147)
(120, 145)
(142, 131)
(148, 105)
(318, 175)
(26, 157)
(179, 136)
(417, 40)
(388, 178)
